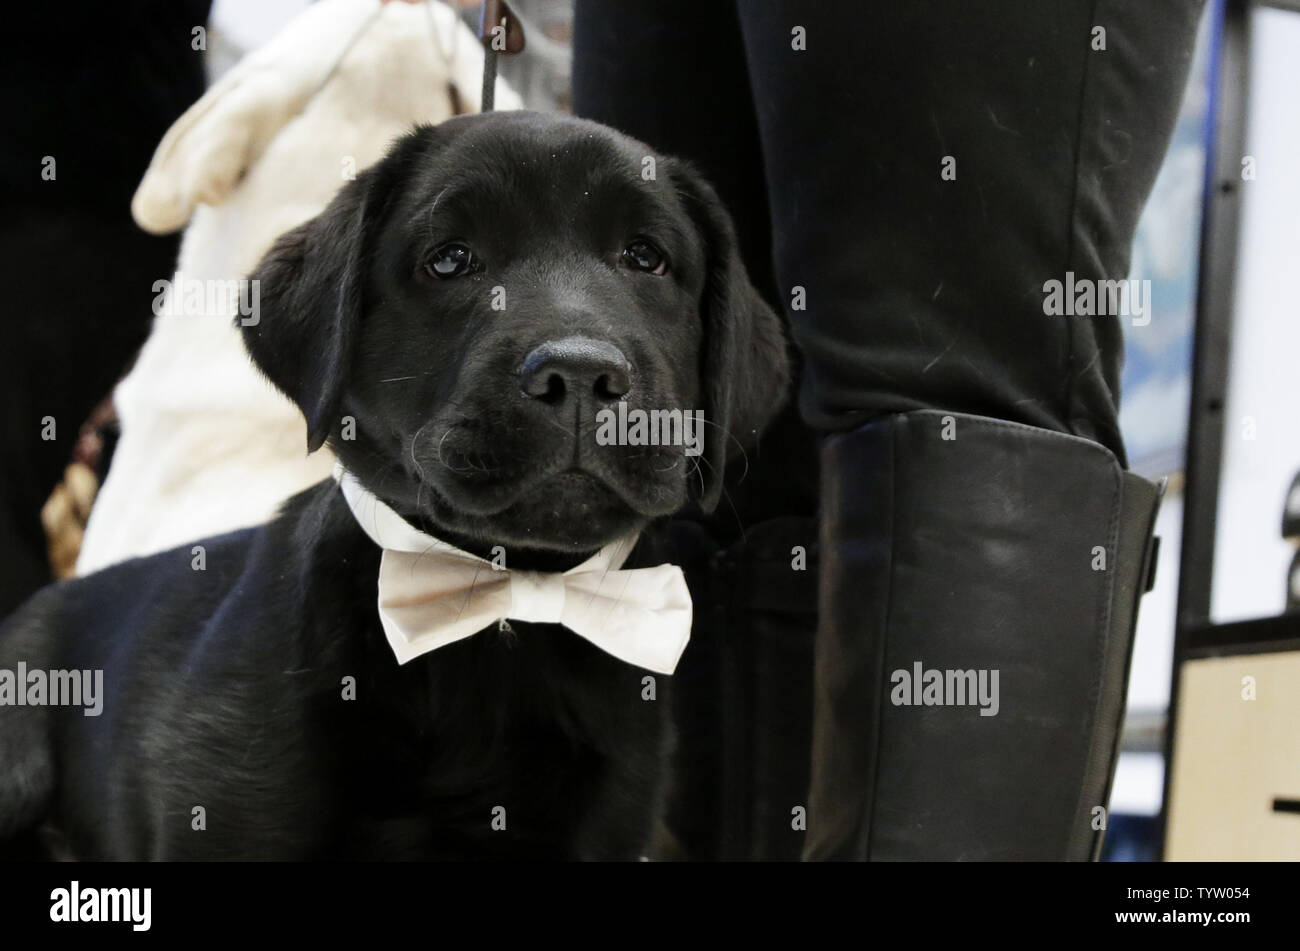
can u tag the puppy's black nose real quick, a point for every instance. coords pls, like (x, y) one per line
(578, 366)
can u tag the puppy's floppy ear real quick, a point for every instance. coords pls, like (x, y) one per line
(311, 287)
(745, 368)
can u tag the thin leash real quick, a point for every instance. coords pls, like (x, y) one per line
(501, 33)
(488, 97)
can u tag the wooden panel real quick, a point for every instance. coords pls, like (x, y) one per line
(1233, 757)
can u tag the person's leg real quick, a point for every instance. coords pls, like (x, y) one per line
(931, 165)
(925, 291)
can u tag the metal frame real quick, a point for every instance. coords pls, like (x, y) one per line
(1195, 634)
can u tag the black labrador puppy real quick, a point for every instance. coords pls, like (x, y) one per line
(452, 324)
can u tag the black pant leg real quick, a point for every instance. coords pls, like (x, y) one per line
(924, 292)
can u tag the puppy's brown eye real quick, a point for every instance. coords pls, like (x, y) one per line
(450, 260)
(643, 255)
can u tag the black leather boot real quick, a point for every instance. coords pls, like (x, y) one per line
(979, 590)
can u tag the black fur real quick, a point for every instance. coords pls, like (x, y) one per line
(225, 687)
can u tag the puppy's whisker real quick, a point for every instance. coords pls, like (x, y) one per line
(438, 452)
(725, 494)
(419, 469)
(697, 471)
(739, 445)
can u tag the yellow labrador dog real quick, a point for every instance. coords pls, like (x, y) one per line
(207, 444)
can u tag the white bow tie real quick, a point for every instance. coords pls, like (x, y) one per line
(432, 594)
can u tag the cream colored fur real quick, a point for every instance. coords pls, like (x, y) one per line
(207, 444)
